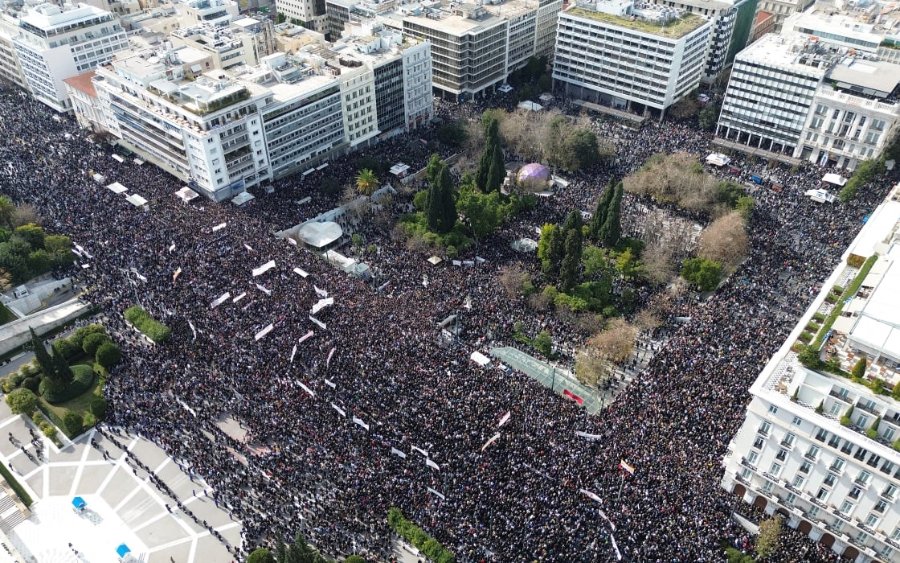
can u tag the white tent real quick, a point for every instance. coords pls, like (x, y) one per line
(480, 358)
(546, 97)
(99, 178)
(435, 260)
(319, 235)
(242, 198)
(524, 245)
(835, 179)
(530, 106)
(117, 188)
(118, 158)
(717, 159)
(186, 194)
(400, 169)
(820, 196)
(505, 88)
(136, 200)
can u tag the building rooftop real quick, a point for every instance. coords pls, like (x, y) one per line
(461, 18)
(83, 83)
(795, 53)
(878, 77)
(663, 22)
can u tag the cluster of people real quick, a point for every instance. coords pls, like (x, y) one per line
(362, 406)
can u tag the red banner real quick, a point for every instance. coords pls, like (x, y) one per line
(573, 396)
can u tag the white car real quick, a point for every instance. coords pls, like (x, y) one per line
(821, 196)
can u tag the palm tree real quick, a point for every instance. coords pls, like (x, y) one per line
(366, 182)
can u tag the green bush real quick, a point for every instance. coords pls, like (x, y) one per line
(98, 407)
(819, 317)
(81, 382)
(806, 337)
(543, 343)
(846, 420)
(809, 357)
(32, 383)
(22, 401)
(418, 538)
(65, 348)
(92, 342)
(737, 556)
(88, 420)
(77, 337)
(73, 423)
(152, 329)
(108, 355)
(15, 485)
(859, 370)
(261, 555)
(16, 379)
(702, 273)
(354, 559)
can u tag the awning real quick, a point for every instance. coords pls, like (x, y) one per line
(835, 179)
(136, 200)
(399, 169)
(319, 235)
(322, 166)
(79, 503)
(546, 97)
(435, 260)
(122, 550)
(186, 194)
(242, 198)
(99, 178)
(717, 159)
(118, 158)
(138, 161)
(117, 188)
(530, 106)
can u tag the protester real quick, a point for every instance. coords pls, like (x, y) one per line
(306, 466)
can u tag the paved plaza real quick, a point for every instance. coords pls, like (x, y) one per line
(123, 505)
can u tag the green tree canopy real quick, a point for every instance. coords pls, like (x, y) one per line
(441, 209)
(32, 234)
(366, 181)
(702, 273)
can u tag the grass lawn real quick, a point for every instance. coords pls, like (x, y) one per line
(5, 315)
(80, 404)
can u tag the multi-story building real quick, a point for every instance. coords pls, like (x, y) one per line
(83, 97)
(781, 9)
(206, 130)
(820, 449)
(835, 28)
(475, 48)
(308, 13)
(731, 22)
(763, 23)
(618, 54)
(797, 97)
(10, 69)
(55, 43)
(245, 42)
(214, 12)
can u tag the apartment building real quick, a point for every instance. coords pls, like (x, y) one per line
(213, 12)
(619, 54)
(782, 9)
(763, 23)
(244, 42)
(10, 69)
(309, 13)
(474, 48)
(820, 449)
(54, 43)
(798, 97)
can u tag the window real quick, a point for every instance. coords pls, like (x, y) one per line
(797, 421)
(805, 467)
(860, 454)
(854, 493)
(863, 477)
(889, 434)
(788, 439)
(846, 508)
(837, 465)
(829, 480)
(813, 511)
(752, 457)
(767, 486)
(781, 455)
(791, 497)
(822, 495)
(880, 506)
(745, 474)
(758, 443)
(874, 460)
(889, 491)
(871, 521)
(797, 483)
(775, 469)
(813, 452)
(895, 535)
(834, 441)
(821, 435)
(847, 448)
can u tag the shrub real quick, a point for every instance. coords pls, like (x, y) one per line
(261, 555)
(22, 401)
(543, 343)
(108, 355)
(846, 420)
(809, 357)
(83, 378)
(92, 342)
(417, 537)
(73, 423)
(16, 379)
(77, 337)
(88, 420)
(32, 383)
(66, 348)
(859, 370)
(806, 337)
(7, 385)
(819, 317)
(354, 559)
(703, 274)
(98, 407)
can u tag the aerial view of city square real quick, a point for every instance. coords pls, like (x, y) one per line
(409, 281)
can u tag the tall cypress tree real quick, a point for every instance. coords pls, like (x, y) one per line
(497, 171)
(568, 271)
(600, 212)
(441, 213)
(611, 231)
(63, 371)
(43, 357)
(491, 144)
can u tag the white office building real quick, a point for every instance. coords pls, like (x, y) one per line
(309, 13)
(10, 69)
(56, 43)
(474, 48)
(820, 449)
(793, 97)
(616, 53)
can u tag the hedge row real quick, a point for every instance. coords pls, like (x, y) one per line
(417, 537)
(153, 329)
(15, 485)
(848, 292)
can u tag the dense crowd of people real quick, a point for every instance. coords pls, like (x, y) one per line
(373, 410)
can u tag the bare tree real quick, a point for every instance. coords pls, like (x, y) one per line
(25, 214)
(539, 301)
(658, 259)
(590, 369)
(615, 342)
(513, 280)
(725, 240)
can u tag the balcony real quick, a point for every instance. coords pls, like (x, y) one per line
(868, 408)
(839, 396)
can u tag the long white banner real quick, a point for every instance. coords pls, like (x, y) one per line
(263, 289)
(300, 272)
(493, 439)
(305, 337)
(398, 453)
(225, 297)
(319, 323)
(307, 389)
(432, 464)
(505, 419)
(219, 227)
(591, 495)
(341, 411)
(321, 304)
(293, 352)
(437, 494)
(264, 332)
(360, 422)
(320, 292)
(264, 268)
(331, 353)
(588, 436)
(330, 383)
(239, 297)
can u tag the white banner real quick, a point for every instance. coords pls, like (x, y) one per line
(194, 330)
(305, 337)
(319, 323)
(341, 411)
(239, 297)
(264, 332)
(591, 495)
(330, 353)
(420, 450)
(219, 227)
(264, 290)
(300, 272)
(437, 494)
(505, 419)
(493, 439)
(330, 384)
(615, 546)
(398, 453)
(321, 304)
(307, 389)
(225, 297)
(320, 292)
(432, 464)
(171, 248)
(293, 352)
(605, 517)
(588, 436)
(360, 422)
(175, 274)
(264, 268)
(247, 246)
(292, 241)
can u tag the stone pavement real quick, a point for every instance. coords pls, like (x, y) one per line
(123, 506)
